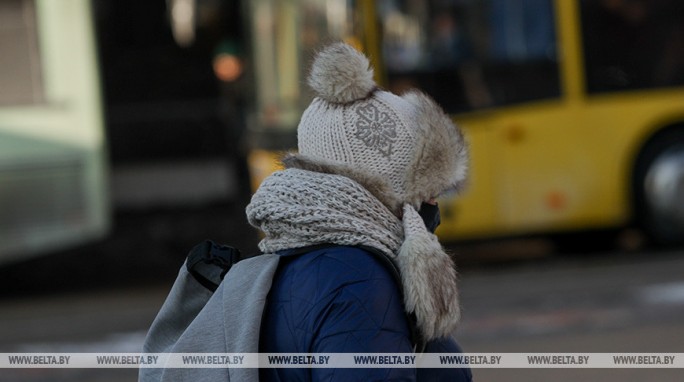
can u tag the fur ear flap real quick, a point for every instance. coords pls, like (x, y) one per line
(441, 160)
(429, 279)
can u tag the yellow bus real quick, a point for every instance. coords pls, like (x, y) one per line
(574, 110)
(52, 153)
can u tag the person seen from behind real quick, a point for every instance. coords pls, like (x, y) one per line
(352, 217)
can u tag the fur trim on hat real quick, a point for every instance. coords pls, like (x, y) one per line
(429, 278)
(341, 74)
(372, 183)
(440, 162)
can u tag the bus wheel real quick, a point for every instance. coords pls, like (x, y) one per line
(659, 188)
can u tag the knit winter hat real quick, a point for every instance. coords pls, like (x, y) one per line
(404, 149)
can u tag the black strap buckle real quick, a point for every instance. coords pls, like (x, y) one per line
(209, 262)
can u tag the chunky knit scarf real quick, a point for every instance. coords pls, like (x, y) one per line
(298, 208)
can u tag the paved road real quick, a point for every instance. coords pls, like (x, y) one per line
(604, 303)
(609, 303)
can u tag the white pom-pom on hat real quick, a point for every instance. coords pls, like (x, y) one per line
(341, 74)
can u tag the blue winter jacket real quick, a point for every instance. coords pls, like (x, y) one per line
(341, 300)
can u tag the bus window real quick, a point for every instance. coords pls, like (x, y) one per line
(471, 54)
(20, 69)
(632, 44)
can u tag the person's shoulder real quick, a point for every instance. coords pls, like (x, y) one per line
(346, 262)
(331, 268)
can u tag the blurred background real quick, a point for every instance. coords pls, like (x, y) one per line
(132, 130)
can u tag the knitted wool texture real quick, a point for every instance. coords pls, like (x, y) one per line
(373, 135)
(297, 208)
(406, 141)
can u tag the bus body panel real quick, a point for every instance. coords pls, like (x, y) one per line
(53, 189)
(556, 167)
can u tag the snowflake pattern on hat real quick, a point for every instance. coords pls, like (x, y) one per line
(376, 129)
